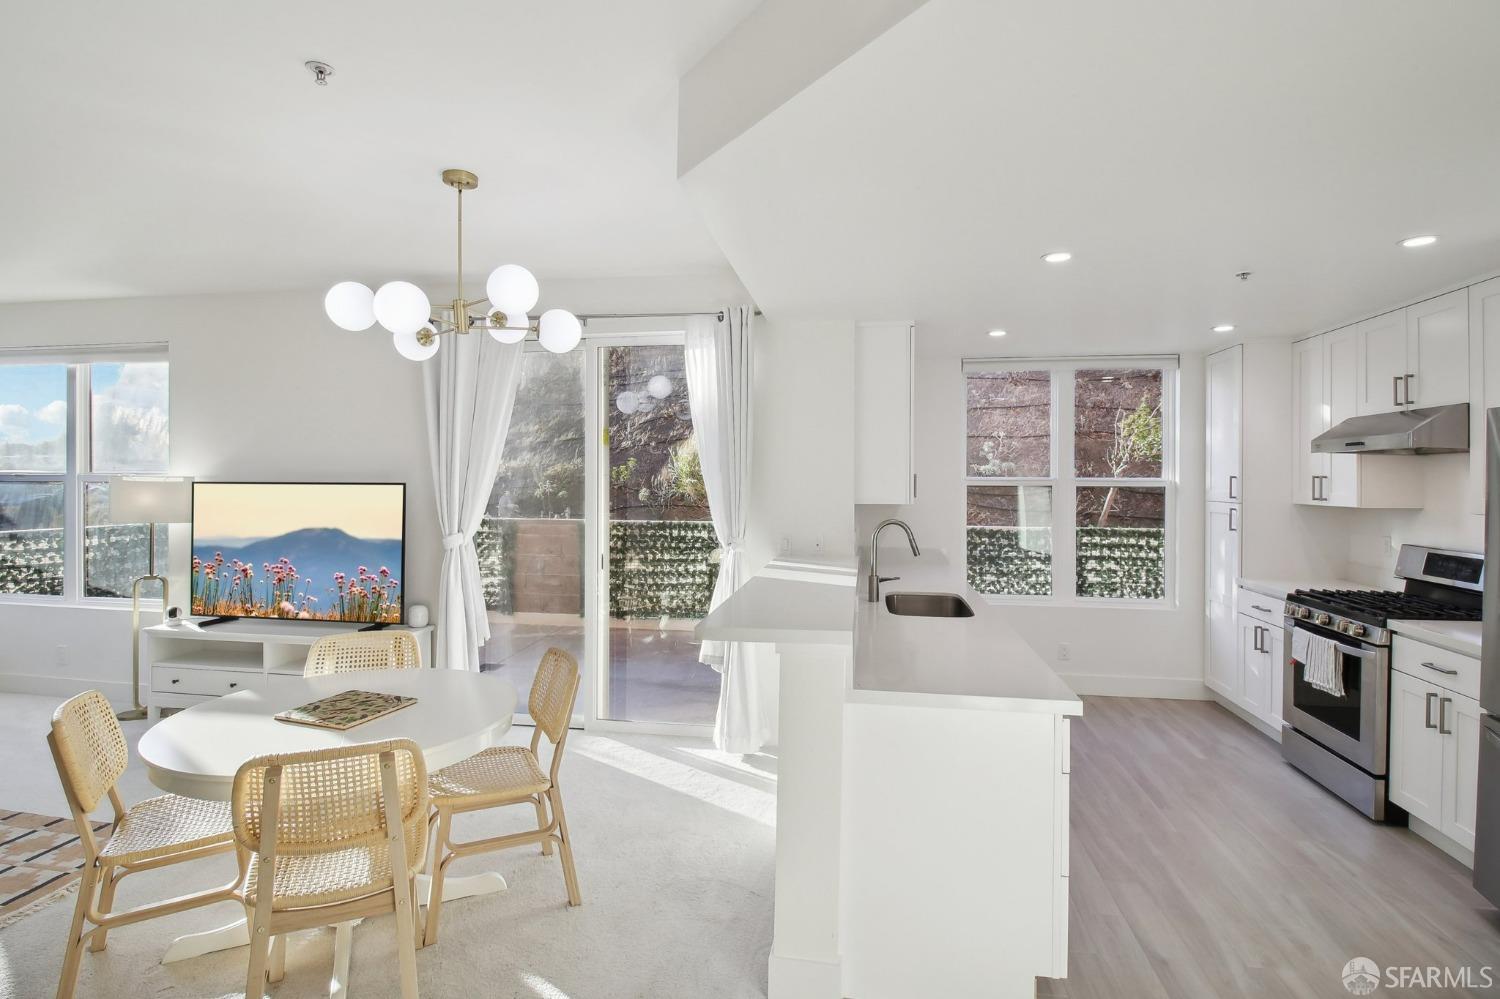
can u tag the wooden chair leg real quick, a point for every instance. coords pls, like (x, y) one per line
(260, 947)
(541, 823)
(107, 883)
(406, 939)
(68, 980)
(565, 847)
(435, 881)
(278, 959)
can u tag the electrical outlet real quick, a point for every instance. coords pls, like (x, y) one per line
(1390, 544)
(785, 548)
(61, 655)
(1064, 652)
(818, 544)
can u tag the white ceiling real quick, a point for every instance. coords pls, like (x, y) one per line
(160, 147)
(1169, 145)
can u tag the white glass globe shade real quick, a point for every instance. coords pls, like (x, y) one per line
(659, 386)
(350, 305)
(627, 402)
(512, 288)
(560, 330)
(645, 404)
(402, 307)
(408, 346)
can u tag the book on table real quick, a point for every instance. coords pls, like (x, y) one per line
(346, 709)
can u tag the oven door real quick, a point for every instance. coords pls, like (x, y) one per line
(1353, 726)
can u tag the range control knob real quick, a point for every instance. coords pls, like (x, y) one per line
(1357, 630)
(1322, 618)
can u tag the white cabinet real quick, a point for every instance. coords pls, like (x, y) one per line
(1222, 672)
(1253, 682)
(1417, 356)
(883, 470)
(1484, 379)
(1223, 407)
(1326, 389)
(1434, 748)
(1255, 667)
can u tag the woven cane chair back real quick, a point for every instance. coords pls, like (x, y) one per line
(91, 747)
(356, 651)
(553, 692)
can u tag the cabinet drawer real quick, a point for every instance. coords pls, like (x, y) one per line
(211, 682)
(1266, 610)
(1445, 669)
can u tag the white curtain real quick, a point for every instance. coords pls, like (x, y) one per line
(470, 389)
(718, 360)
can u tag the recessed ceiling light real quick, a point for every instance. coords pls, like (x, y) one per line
(1412, 242)
(997, 332)
(1224, 328)
(1057, 257)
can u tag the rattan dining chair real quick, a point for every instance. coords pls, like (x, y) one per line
(89, 749)
(337, 835)
(510, 775)
(358, 650)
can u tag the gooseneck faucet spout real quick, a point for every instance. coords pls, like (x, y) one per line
(873, 586)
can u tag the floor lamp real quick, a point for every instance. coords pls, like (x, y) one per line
(151, 500)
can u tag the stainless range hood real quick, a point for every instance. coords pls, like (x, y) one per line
(1438, 430)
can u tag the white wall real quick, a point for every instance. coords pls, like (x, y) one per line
(1444, 521)
(1135, 651)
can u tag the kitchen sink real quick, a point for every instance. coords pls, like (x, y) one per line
(928, 605)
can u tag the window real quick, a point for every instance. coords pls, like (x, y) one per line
(66, 425)
(1069, 476)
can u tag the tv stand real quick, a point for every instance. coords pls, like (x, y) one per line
(210, 622)
(189, 663)
(377, 626)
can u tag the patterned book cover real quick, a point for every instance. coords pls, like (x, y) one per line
(345, 710)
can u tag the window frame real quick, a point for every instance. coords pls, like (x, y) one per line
(1065, 482)
(78, 471)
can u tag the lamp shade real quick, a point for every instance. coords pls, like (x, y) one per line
(150, 499)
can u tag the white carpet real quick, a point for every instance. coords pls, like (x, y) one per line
(675, 850)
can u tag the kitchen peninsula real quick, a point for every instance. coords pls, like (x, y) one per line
(922, 804)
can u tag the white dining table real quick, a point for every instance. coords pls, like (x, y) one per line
(196, 752)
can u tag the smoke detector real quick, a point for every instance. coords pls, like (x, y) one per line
(321, 71)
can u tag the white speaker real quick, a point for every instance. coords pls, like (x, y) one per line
(416, 616)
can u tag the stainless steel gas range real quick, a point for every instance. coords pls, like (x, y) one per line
(1336, 720)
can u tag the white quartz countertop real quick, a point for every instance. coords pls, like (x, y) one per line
(1462, 637)
(1279, 588)
(977, 662)
(809, 601)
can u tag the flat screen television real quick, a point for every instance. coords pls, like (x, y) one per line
(313, 551)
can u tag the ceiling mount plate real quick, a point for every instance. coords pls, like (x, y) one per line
(321, 71)
(463, 180)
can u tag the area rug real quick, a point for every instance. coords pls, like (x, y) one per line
(40, 858)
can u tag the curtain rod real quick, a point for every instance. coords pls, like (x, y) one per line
(716, 313)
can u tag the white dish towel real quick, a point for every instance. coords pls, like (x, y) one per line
(1322, 669)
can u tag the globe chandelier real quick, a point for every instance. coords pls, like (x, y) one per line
(415, 326)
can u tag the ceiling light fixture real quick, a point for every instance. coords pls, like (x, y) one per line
(1224, 328)
(403, 308)
(1057, 257)
(1412, 242)
(997, 332)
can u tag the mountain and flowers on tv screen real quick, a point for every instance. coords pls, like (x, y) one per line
(310, 551)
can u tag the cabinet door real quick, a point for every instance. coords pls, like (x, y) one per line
(1341, 357)
(1437, 350)
(1309, 395)
(1223, 552)
(1223, 672)
(1484, 379)
(1382, 362)
(1223, 408)
(883, 395)
(1255, 677)
(1461, 717)
(1416, 771)
(1276, 643)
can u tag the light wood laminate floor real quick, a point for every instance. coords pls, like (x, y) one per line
(1204, 866)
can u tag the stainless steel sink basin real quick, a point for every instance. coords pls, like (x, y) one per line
(928, 605)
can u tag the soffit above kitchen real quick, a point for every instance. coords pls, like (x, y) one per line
(1170, 147)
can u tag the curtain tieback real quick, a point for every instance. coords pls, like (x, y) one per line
(452, 541)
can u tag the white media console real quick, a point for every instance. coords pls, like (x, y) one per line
(188, 664)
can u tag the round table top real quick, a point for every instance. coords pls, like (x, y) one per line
(196, 752)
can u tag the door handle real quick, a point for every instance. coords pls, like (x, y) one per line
(1232, 480)
(1439, 669)
(1255, 642)
(1427, 711)
(1396, 390)
(1231, 520)
(1443, 716)
(1406, 388)
(1263, 610)
(1315, 488)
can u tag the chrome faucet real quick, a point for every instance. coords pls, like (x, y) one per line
(873, 596)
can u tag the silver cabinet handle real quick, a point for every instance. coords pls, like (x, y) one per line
(1256, 640)
(1232, 480)
(1396, 390)
(1263, 610)
(1315, 488)
(1443, 728)
(1439, 669)
(1231, 520)
(1427, 712)
(1406, 388)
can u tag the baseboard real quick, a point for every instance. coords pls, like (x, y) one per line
(118, 691)
(1442, 841)
(1269, 731)
(803, 978)
(1109, 685)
